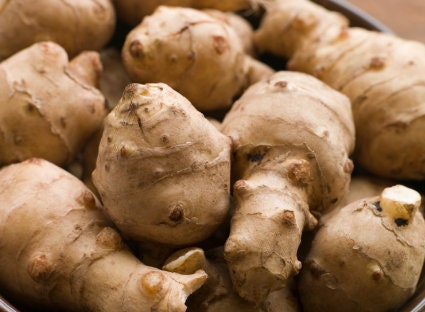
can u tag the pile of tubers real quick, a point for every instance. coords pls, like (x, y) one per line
(153, 158)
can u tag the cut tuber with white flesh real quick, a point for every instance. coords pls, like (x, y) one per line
(59, 250)
(367, 256)
(163, 170)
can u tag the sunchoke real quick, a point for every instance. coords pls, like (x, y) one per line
(197, 55)
(133, 11)
(381, 74)
(77, 25)
(163, 170)
(367, 256)
(49, 107)
(292, 137)
(59, 251)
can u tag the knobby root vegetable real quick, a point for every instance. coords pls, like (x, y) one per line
(243, 28)
(77, 25)
(133, 11)
(217, 294)
(292, 137)
(59, 250)
(49, 107)
(181, 46)
(172, 164)
(381, 74)
(368, 256)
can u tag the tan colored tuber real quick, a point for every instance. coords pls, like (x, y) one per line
(77, 25)
(380, 73)
(49, 106)
(367, 256)
(218, 294)
(58, 250)
(132, 12)
(163, 170)
(292, 137)
(199, 56)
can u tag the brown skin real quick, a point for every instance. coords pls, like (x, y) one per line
(180, 46)
(218, 294)
(364, 258)
(133, 11)
(76, 25)
(381, 74)
(292, 136)
(58, 250)
(172, 164)
(49, 107)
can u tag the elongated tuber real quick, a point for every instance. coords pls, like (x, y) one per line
(49, 107)
(292, 137)
(172, 164)
(197, 55)
(381, 74)
(59, 250)
(367, 256)
(77, 25)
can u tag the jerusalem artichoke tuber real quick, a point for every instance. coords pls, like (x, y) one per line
(59, 251)
(199, 56)
(218, 294)
(367, 256)
(133, 11)
(49, 107)
(77, 25)
(172, 164)
(381, 74)
(292, 136)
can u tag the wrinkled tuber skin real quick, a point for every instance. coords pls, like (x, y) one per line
(380, 73)
(218, 294)
(172, 164)
(292, 136)
(49, 107)
(363, 259)
(133, 11)
(58, 249)
(179, 46)
(77, 25)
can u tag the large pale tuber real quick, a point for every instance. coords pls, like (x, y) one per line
(49, 107)
(367, 256)
(199, 56)
(381, 74)
(163, 170)
(292, 136)
(76, 25)
(59, 251)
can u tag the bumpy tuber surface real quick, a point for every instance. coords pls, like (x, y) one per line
(292, 136)
(133, 11)
(76, 25)
(163, 170)
(367, 256)
(218, 294)
(58, 250)
(380, 73)
(199, 56)
(49, 107)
